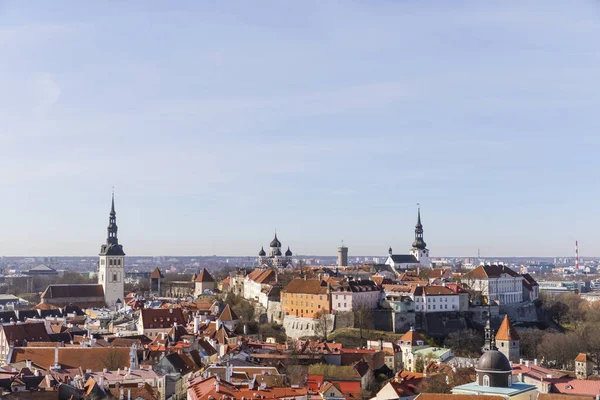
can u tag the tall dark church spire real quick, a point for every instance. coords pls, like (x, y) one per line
(112, 246)
(419, 243)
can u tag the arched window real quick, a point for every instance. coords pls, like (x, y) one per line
(486, 381)
(509, 380)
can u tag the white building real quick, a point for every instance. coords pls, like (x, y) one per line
(419, 253)
(432, 299)
(275, 258)
(355, 293)
(496, 282)
(256, 281)
(111, 264)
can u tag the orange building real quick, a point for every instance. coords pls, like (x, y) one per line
(306, 297)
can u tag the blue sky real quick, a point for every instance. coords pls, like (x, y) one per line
(219, 122)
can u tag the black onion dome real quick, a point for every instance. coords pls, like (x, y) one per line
(262, 252)
(275, 242)
(419, 243)
(493, 360)
(278, 253)
(288, 253)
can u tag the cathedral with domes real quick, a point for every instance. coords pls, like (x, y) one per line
(275, 258)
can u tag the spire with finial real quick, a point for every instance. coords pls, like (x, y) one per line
(112, 246)
(419, 243)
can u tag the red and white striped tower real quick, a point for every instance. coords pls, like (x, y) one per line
(576, 255)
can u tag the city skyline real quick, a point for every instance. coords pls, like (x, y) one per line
(219, 123)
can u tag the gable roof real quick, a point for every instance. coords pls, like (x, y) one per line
(204, 276)
(156, 274)
(68, 290)
(161, 318)
(411, 337)
(20, 333)
(581, 357)
(404, 259)
(94, 358)
(306, 286)
(228, 314)
(506, 331)
(490, 271)
(432, 291)
(262, 275)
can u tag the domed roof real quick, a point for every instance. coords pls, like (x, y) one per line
(262, 252)
(278, 253)
(419, 243)
(493, 360)
(275, 242)
(288, 253)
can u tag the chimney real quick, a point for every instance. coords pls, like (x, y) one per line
(128, 394)
(535, 362)
(28, 363)
(196, 323)
(246, 329)
(527, 363)
(520, 361)
(170, 311)
(100, 382)
(121, 394)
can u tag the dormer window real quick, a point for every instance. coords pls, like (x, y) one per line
(486, 381)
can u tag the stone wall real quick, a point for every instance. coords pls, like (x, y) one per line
(297, 327)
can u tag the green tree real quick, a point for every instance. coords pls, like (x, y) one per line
(419, 364)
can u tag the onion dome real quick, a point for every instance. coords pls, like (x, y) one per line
(288, 252)
(390, 251)
(262, 252)
(275, 242)
(278, 253)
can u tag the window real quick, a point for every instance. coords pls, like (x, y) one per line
(114, 277)
(486, 381)
(345, 305)
(339, 305)
(509, 380)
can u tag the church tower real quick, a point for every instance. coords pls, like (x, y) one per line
(419, 247)
(111, 263)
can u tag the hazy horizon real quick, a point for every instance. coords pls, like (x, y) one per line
(219, 123)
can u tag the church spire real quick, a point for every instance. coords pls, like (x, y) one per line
(419, 243)
(112, 224)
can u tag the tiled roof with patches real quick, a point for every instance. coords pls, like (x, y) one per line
(72, 290)
(160, 318)
(306, 286)
(20, 333)
(206, 388)
(204, 276)
(94, 358)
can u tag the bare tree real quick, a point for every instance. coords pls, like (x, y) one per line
(114, 359)
(363, 316)
(322, 324)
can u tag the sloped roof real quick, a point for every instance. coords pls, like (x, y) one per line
(490, 271)
(506, 331)
(43, 268)
(156, 274)
(228, 314)
(21, 332)
(432, 291)
(404, 259)
(262, 275)
(161, 318)
(204, 276)
(582, 357)
(68, 290)
(411, 337)
(307, 286)
(94, 358)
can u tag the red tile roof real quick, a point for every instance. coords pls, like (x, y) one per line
(94, 358)
(506, 331)
(308, 286)
(204, 276)
(203, 389)
(576, 386)
(411, 337)
(228, 314)
(161, 318)
(490, 271)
